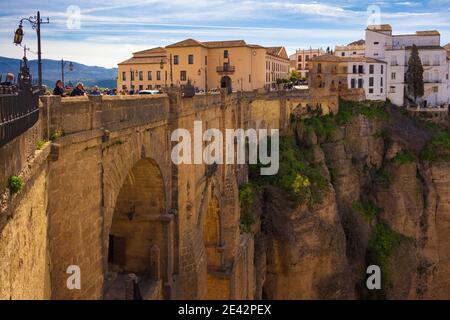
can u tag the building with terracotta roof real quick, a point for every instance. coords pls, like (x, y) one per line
(206, 65)
(301, 59)
(356, 48)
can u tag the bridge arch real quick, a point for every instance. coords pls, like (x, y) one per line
(137, 236)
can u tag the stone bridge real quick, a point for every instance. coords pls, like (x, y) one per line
(104, 195)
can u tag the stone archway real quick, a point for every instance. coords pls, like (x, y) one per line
(225, 82)
(137, 240)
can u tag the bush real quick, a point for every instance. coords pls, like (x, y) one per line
(367, 209)
(15, 184)
(40, 144)
(246, 200)
(438, 149)
(404, 158)
(56, 134)
(382, 243)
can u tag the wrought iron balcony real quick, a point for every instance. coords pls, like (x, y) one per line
(226, 69)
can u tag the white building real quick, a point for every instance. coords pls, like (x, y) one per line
(369, 74)
(357, 48)
(395, 50)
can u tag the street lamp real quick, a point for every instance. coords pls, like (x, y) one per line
(35, 22)
(63, 64)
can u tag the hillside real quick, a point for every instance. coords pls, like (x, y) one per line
(51, 70)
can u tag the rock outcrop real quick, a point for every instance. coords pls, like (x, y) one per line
(385, 202)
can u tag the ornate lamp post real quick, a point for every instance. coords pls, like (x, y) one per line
(63, 64)
(35, 22)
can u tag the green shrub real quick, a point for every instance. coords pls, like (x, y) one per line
(404, 157)
(382, 243)
(438, 149)
(15, 184)
(56, 134)
(367, 209)
(40, 144)
(246, 200)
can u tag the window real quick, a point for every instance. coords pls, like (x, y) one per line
(353, 83)
(141, 76)
(360, 83)
(191, 59)
(355, 69)
(376, 42)
(393, 76)
(175, 59)
(225, 54)
(124, 76)
(149, 87)
(206, 60)
(371, 69)
(141, 87)
(299, 66)
(370, 90)
(381, 90)
(299, 59)
(183, 75)
(392, 89)
(361, 69)
(149, 75)
(307, 58)
(158, 75)
(371, 82)
(382, 69)
(132, 76)
(394, 61)
(342, 54)
(381, 81)
(319, 68)
(249, 78)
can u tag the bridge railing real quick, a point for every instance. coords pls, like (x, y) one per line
(19, 111)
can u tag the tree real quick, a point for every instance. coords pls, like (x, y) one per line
(414, 75)
(294, 76)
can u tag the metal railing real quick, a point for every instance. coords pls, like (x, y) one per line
(225, 68)
(19, 109)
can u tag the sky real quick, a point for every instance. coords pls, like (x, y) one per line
(104, 33)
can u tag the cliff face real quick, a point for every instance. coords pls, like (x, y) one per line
(363, 187)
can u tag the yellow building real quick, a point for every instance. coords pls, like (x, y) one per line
(207, 65)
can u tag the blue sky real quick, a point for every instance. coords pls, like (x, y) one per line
(108, 31)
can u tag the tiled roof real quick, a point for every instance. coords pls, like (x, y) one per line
(135, 60)
(426, 48)
(428, 33)
(153, 52)
(186, 43)
(225, 44)
(274, 51)
(360, 42)
(380, 27)
(326, 58)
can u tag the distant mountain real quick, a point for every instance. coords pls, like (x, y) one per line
(51, 71)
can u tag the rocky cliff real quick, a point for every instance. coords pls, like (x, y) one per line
(367, 186)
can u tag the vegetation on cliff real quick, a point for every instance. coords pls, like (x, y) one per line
(247, 199)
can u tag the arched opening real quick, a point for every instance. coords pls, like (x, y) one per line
(211, 233)
(225, 82)
(218, 283)
(137, 240)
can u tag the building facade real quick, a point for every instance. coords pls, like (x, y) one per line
(300, 59)
(356, 48)
(395, 50)
(206, 65)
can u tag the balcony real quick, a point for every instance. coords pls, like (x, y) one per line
(226, 69)
(431, 81)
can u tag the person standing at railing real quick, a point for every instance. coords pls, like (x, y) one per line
(78, 91)
(9, 80)
(59, 89)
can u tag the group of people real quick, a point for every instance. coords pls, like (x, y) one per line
(79, 90)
